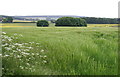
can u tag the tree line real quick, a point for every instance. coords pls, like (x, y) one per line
(7, 20)
(70, 21)
(74, 21)
(64, 21)
(93, 20)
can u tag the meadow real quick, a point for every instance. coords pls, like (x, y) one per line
(50, 25)
(35, 50)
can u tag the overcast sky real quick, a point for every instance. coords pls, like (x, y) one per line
(90, 8)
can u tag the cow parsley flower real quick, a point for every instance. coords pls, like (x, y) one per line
(6, 55)
(3, 33)
(15, 34)
(7, 48)
(42, 50)
(44, 61)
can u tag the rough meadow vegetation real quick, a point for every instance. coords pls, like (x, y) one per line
(59, 51)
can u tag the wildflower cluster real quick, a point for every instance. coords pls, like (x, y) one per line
(23, 56)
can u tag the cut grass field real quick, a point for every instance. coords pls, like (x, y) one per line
(17, 25)
(21, 21)
(61, 51)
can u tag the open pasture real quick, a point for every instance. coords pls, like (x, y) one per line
(59, 50)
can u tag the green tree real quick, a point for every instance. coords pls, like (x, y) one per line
(42, 23)
(83, 22)
(94, 20)
(70, 21)
(7, 20)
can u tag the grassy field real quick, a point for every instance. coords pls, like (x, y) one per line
(50, 25)
(59, 50)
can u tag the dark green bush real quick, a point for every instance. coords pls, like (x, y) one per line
(7, 20)
(70, 21)
(42, 23)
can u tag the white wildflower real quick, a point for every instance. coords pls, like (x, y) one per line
(28, 64)
(41, 56)
(33, 54)
(18, 49)
(14, 51)
(26, 50)
(2, 68)
(3, 40)
(30, 42)
(5, 44)
(20, 45)
(29, 58)
(37, 53)
(25, 53)
(5, 37)
(30, 69)
(21, 35)
(7, 48)
(45, 56)
(42, 50)
(44, 61)
(18, 56)
(21, 67)
(0, 55)
(25, 43)
(33, 42)
(4, 33)
(9, 39)
(6, 55)
(15, 34)
(29, 47)
(13, 46)
(16, 44)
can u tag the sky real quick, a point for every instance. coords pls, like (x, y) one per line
(89, 8)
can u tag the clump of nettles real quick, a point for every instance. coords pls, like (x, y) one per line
(20, 56)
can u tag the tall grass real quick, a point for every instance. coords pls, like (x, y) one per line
(69, 51)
